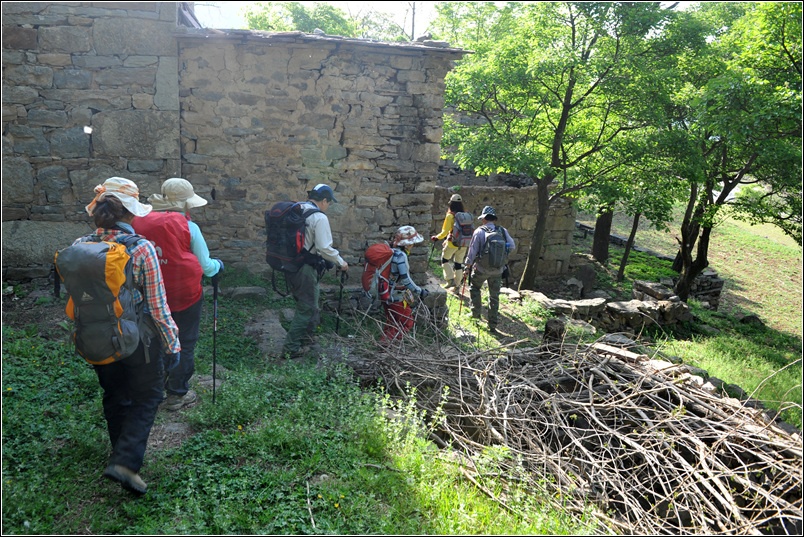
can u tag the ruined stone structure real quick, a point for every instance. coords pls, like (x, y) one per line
(93, 90)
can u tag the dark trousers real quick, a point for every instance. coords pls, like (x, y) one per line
(304, 287)
(132, 391)
(188, 321)
(495, 282)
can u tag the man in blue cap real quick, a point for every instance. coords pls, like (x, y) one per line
(485, 262)
(303, 284)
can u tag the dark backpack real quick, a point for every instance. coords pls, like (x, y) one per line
(377, 273)
(284, 226)
(98, 275)
(494, 254)
(462, 229)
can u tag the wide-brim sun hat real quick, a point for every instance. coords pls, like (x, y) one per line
(123, 189)
(406, 236)
(177, 195)
(455, 197)
(488, 210)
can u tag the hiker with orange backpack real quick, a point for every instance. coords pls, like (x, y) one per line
(184, 259)
(456, 231)
(132, 386)
(398, 311)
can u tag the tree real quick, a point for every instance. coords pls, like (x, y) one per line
(740, 112)
(549, 97)
(293, 16)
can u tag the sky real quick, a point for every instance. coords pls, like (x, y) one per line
(227, 15)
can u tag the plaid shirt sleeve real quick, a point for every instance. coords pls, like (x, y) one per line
(148, 276)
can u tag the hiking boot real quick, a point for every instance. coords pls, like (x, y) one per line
(128, 479)
(177, 402)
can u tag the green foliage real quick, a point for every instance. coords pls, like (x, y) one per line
(294, 16)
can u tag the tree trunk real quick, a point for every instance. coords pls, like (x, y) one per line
(528, 278)
(688, 234)
(628, 245)
(600, 243)
(691, 271)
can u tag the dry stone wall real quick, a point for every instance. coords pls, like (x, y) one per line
(109, 66)
(514, 207)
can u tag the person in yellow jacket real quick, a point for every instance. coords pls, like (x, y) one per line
(452, 255)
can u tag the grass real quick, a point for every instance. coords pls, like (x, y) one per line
(286, 449)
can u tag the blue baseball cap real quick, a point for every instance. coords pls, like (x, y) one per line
(322, 192)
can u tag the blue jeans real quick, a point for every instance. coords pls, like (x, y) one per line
(188, 321)
(132, 391)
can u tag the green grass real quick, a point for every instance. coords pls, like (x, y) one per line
(286, 449)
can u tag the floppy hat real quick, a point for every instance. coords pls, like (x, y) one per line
(177, 194)
(123, 189)
(488, 210)
(406, 236)
(322, 192)
(456, 197)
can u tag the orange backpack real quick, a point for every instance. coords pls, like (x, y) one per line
(377, 272)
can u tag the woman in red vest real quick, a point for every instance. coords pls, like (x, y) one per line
(183, 258)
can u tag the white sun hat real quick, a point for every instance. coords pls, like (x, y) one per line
(123, 189)
(177, 195)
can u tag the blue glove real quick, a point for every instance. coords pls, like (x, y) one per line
(221, 263)
(424, 293)
(172, 360)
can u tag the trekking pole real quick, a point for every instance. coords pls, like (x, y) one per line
(463, 286)
(344, 277)
(214, 330)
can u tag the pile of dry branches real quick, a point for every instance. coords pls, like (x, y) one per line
(656, 453)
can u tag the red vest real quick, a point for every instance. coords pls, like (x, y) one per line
(181, 270)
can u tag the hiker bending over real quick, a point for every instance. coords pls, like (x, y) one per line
(132, 387)
(303, 284)
(455, 247)
(485, 262)
(184, 259)
(398, 311)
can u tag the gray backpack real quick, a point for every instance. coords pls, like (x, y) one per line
(494, 254)
(462, 229)
(98, 275)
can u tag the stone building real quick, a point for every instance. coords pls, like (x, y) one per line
(93, 90)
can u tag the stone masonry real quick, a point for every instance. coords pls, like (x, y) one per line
(135, 89)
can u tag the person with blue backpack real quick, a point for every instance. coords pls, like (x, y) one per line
(132, 386)
(487, 257)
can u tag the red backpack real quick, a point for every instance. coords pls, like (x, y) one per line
(377, 272)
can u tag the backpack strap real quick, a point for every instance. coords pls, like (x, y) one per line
(146, 324)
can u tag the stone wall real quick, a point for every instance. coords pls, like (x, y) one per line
(109, 66)
(265, 117)
(514, 207)
(97, 89)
